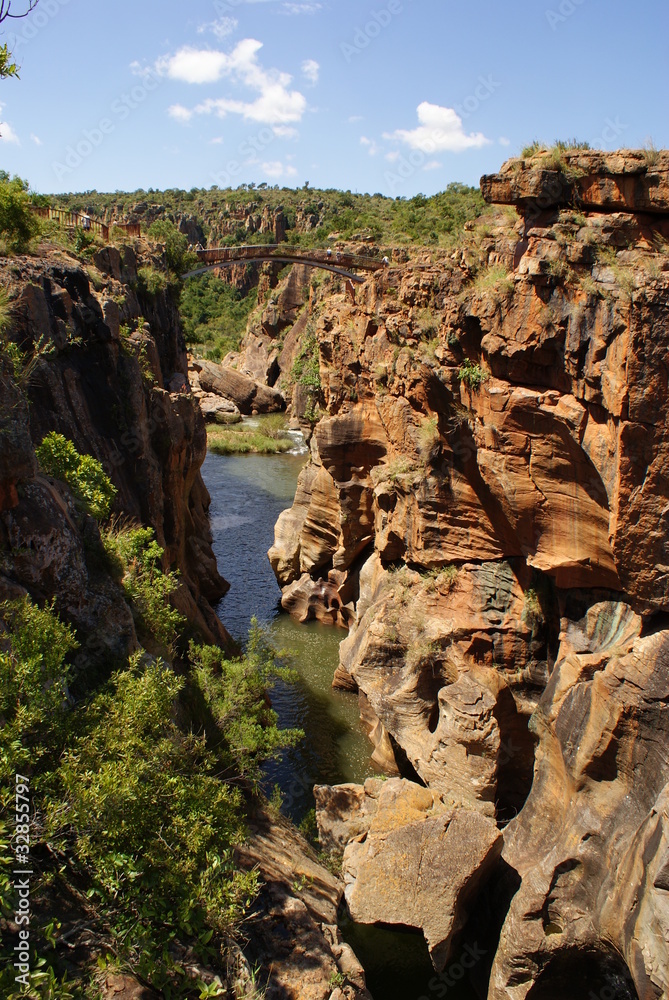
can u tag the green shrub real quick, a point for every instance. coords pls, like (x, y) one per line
(471, 373)
(136, 557)
(18, 223)
(140, 806)
(33, 681)
(151, 282)
(235, 691)
(177, 257)
(83, 474)
(306, 368)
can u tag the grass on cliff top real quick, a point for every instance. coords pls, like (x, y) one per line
(257, 436)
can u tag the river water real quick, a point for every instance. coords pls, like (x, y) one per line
(247, 495)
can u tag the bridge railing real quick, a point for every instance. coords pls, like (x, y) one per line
(74, 219)
(214, 255)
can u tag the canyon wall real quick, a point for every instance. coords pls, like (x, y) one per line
(486, 509)
(119, 396)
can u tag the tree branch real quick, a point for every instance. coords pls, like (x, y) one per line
(5, 6)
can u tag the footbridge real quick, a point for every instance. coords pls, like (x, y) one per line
(345, 264)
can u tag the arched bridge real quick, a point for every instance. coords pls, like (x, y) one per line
(345, 264)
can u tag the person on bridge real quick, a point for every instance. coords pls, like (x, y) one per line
(329, 252)
(86, 222)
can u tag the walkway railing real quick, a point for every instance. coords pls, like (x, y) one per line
(284, 252)
(75, 219)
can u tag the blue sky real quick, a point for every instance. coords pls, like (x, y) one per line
(397, 96)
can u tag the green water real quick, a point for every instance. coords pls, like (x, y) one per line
(248, 494)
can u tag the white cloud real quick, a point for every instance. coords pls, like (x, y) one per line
(276, 169)
(310, 69)
(355, 118)
(392, 157)
(191, 65)
(440, 130)
(36, 139)
(275, 105)
(433, 165)
(180, 113)
(221, 28)
(7, 133)
(307, 7)
(285, 132)
(290, 7)
(370, 144)
(503, 141)
(216, 141)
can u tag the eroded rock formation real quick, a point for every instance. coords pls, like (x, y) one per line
(486, 509)
(110, 392)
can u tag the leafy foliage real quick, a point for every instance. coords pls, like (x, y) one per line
(306, 368)
(7, 66)
(471, 373)
(18, 224)
(151, 282)
(83, 474)
(235, 691)
(136, 557)
(152, 823)
(33, 682)
(148, 812)
(215, 315)
(176, 245)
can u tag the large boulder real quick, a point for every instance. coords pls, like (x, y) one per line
(247, 394)
(414, 859)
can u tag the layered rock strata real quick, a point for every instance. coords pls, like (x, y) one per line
(486, 509)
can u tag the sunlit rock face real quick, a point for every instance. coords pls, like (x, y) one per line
(488, 499)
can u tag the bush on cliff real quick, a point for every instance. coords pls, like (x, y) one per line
(135, 559)
(236, 694)
(18, 223)
(83, 474)
(136, 804)
(177, 257)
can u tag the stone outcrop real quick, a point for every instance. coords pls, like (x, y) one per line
(292, 928)
(487, 502)
(628, 180)
(215, 409)
(247, 395)
(410, 859)
(104, 390)
(591, 843)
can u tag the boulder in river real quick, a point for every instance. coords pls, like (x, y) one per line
(247, 394)
(414, 859)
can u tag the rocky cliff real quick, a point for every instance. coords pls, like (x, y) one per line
(119, 396)
(485, 509)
